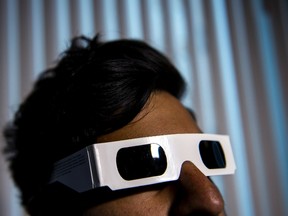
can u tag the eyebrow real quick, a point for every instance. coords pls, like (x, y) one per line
(192, 113)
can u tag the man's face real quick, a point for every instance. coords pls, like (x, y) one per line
(192, 194)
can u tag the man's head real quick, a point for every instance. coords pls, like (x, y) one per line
(102, 92)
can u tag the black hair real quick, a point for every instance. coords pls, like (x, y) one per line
(95, 88)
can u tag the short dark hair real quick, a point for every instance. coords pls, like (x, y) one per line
(95, 88)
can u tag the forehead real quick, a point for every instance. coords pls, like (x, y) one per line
(163, 114)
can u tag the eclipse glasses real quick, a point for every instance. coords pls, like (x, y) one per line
(143, 161)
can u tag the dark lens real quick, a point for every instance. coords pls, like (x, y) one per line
(212, 154)
(141, 161)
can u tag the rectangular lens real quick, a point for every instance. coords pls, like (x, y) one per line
(212, 154)
(141, 161)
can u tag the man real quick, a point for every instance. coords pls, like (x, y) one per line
(97, 93)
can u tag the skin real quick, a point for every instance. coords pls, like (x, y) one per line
(192, 194)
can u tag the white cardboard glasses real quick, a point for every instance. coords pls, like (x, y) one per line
(143, 161)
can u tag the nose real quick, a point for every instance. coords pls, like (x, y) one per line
(196, 194)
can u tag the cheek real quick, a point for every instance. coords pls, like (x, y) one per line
(152, 203)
